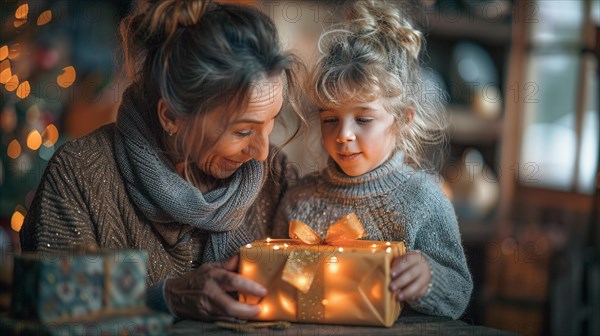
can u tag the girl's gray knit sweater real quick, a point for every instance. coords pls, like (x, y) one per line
(393, 202)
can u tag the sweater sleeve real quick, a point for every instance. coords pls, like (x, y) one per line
(58, 217)
(438, 239)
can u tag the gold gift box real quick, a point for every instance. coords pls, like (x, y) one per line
(345, 282)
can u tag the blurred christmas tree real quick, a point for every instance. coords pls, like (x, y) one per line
(55, 57)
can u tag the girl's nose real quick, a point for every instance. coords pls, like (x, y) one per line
(345, 134)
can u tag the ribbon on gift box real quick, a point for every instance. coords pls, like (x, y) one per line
(301, 266)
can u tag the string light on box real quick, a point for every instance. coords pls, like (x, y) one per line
(333, 264)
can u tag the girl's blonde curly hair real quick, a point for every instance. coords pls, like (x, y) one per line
(375, 54)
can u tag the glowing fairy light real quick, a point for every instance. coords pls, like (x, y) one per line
(388, 250)
(374, 246)
(341, 249)
(287, 304)
(22, 11)
(248, 269)
(276, 247)
(302, 281)
(14, 149)
(388, 243)
(44, 18)
(325, 302)
(23, 90)
(268, 240)
(248, 246)
(34, 140)
(376, 292)
(67, 77)
(333, 264)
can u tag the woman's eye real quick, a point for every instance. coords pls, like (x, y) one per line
(244, 133)
(363, 120)
(329, 120)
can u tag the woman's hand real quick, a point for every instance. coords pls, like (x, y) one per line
(201, 293)
(411, 276)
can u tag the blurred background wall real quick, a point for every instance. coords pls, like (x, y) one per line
(521, 79)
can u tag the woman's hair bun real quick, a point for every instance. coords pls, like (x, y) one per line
(372, 16)
(163, 17)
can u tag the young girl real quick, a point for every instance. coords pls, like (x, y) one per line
(376, 125)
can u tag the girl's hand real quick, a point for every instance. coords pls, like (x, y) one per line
(201, 293)
(411, 276)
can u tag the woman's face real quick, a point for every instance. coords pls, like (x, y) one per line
(241, 138)
(358, 136)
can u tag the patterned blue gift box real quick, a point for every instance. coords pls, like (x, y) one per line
(125, 274)
(50, 287)
(96, 293)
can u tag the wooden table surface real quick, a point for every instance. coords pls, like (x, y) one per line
(406, 325)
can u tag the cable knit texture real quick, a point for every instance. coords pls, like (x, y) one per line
(83, 199)
(393, 202)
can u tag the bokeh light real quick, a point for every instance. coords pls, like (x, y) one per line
(23, 90)
(44, 18)
(67, 77)
(14, 149)
(34, 140)
(50, 135)
(22, 11)
(5, 72)
(17, 219)
(3, 52)
(12, 84)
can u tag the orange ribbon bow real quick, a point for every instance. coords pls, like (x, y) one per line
(302, 265)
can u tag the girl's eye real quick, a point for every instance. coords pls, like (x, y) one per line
(329, 120)
(364, 120)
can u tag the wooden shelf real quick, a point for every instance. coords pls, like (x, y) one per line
(454, 24)
(467, 127)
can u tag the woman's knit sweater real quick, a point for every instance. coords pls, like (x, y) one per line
(82, 200)
(394, 203)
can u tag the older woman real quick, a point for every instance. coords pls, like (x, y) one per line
(186, 172)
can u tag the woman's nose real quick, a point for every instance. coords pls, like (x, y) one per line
(259, 148)
(345, 134)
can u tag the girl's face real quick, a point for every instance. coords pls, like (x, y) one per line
(245, 137)
(359, 136)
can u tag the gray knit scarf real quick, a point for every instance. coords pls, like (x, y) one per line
(165, 197)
